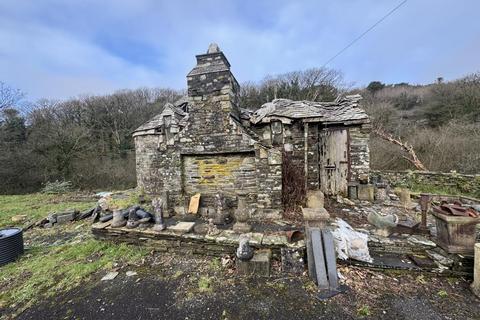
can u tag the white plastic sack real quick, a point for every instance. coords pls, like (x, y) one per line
(350, 243)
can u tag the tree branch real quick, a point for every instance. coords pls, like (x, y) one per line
(413, 159)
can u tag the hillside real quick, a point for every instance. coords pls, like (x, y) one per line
(441, 121)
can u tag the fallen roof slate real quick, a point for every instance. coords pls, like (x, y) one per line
(343, 109)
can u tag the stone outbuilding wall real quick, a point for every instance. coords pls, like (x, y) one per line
(211, 153)
(291, 139)
(329, 141)
(206, 144)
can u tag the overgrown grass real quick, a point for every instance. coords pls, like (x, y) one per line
(43, 272)
(36, 206)
(444, 190)
(364, 311)
(205, 284)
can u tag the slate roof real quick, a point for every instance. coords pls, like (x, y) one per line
(343, 110)
(217, 66)
(156, 121)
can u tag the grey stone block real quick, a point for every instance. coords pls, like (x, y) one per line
(66, 217)
(259, 265)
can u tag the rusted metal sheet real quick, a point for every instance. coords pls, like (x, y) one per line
(456, 209)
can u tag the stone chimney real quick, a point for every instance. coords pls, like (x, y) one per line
(212, 88)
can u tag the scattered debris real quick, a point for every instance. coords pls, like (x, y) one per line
(182, 227)
(103, 194)
(393, 197)
(227, 261)
(66, 217)
(422, 241)
(292, 260)
(19, 218)
(110, 276)
(212, 229)
(440, 259)
(194, 204)
(384, 224)
(456, 209)
(350, 243)
(131, 273)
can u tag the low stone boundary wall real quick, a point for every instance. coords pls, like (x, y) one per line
(434, 182)
(226, 242)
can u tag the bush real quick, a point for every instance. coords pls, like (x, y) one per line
(293, 181)
(57, 187)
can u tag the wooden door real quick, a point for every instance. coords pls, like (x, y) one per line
(333, 161)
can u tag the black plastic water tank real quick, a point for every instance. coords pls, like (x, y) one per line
(11, 244)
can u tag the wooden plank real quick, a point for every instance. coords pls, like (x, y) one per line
(194, 204)
(318, 255)
(310, 259)
(330, 258)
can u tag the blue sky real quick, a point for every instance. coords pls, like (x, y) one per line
(61, 49)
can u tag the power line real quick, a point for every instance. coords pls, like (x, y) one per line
(364, 33)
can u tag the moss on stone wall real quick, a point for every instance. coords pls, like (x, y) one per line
(432, 182)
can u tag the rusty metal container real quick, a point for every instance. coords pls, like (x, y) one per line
(456, 234)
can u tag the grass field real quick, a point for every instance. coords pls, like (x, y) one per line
(37, 206)
(56, 259)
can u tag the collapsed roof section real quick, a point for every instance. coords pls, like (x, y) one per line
(344, 110)
(177, 110)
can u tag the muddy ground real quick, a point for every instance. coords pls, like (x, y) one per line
(168, 286)
(179, 287)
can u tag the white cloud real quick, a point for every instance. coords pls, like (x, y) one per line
(54, 48)
(49, 62)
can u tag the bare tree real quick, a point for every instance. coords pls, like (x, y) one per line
(407, 147)
(9, 97)
(316, 84)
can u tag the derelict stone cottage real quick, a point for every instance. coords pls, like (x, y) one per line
(205, 144)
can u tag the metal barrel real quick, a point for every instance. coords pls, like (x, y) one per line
(11, 245)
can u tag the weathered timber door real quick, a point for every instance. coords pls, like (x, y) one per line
(333, 161)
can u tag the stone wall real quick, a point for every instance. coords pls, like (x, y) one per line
(213, 153)
(213, 174)
(434, 182)
(359, 151)
(294, 143)
(269, 182)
